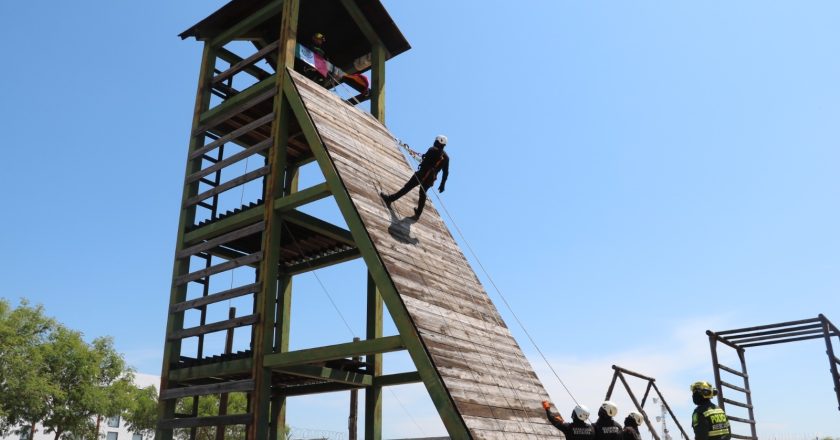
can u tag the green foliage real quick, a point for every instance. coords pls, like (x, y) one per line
(209, 406)
(51, 376)
(141, 415)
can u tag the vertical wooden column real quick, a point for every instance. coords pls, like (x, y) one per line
(373, 394)
(742, 358)
(713, 347)
(275, 186)
(181, 266)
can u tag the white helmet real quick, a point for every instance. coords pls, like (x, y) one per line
(637, 417)
(441, 139)
(581, 413)
(609, 408)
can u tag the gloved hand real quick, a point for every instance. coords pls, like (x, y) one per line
(546, 404)
(441, 188)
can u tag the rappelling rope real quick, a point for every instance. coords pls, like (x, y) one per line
(414, 155)
(363, 150)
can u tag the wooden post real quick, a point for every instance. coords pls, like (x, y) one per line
(181, 266)
(275, 183)
(373, 394)
(377, 91)
(353, 420)
(223, 398)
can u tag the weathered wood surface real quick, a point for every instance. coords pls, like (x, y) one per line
(491, 382)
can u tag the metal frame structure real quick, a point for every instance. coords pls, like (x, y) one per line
(266, 120)
(743, 338)
(651, 384)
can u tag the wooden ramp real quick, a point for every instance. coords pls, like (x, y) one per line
(492, 384)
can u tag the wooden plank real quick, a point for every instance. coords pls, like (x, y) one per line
(247, 128)
(224, 225)
(329, 374)
(214, 327)
(239, 66)
(214, 298)
(338, 351)
(233, 183)
(219, 369)
(248, 152)
(256, 94)
(191, 422)
(212, 270)
(232, 58)
(213, 388)
(303, 197)
(269, 10)
(226, 238)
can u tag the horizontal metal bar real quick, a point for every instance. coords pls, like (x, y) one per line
(738, 419)
(633, 373)
(782, 341)
(817, 331)
(214, 298)
(203, 390)
(734, 387)
(214, 327)
(732, 402)
(774, 332)
(769, 326)
(212, 270)
(237, 419)
(731, 370)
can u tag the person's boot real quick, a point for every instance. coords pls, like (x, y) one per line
(417, 212)
(386, 199)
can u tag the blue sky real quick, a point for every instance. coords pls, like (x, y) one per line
(631, 174)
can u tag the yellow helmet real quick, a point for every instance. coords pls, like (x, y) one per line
(705, 389)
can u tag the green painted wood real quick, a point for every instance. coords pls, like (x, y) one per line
(377, 89)
(319, 226)
(431, 378)
(220, 369)
(397, 379)
(373, 395)
(229, 106)
(322, 262)
(181, 266)
(233, 58)
(212, 388)
(328, 374)
(275, 187)
(362, 22)
(191, 422)
(302, 197)
(332, 352)
(250, 22)
(225, 225)
(305, 390)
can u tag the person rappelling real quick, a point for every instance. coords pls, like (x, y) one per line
(432, 162)
(578, 429)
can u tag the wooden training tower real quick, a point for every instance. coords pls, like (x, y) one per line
(257, 106)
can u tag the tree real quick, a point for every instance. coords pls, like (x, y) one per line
(25, 384)
(141, 415)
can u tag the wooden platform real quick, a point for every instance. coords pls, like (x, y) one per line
(493, 385)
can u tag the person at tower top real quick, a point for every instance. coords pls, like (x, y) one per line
(433, 161)
(578, 429)
(605, 427)
(709, 421)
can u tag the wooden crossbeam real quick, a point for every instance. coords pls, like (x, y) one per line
(239, 66)
(331, 352)
(192, 422)
(222, 239)
(233, 135)
(233, 58)
(233, 183)
(214, 327)
(212, 270)
(329, 374)
(248, 152)
(213, 388)
(217, 369)
(214, 298)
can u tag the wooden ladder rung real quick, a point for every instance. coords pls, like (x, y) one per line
(222, 239)
(232, 135)
(738, 419)
(203, 390)
(238, 67)
(212, 270)
(734, 387)
(214, 298)
(250, 151)
(742, 405)
(214, 327)
(733, 371)
(192, 422)
(233, 183)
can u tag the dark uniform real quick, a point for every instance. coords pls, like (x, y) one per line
(710, 422)
(434, 161)
(608, 429)
(631, 433)
(576, 430)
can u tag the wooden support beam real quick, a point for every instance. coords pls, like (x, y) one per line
(248, 98)
(241, 65)
(214, 298)
(233, 58)
(233, 183)
(303, 197)
(212, 270)
(248, 152)
(191, 422)
(220, 369)
(213, 388)
(322, 262)
(305, 390)
(328, 374)
(224, 225)
(240, 321)
(226, 238)
(320, 226)
(361, 21)
(332, 352)
(271, 9)
(373, 395)
(232, 136)
(388, 380)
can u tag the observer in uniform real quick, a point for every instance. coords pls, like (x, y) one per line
(709, 421)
